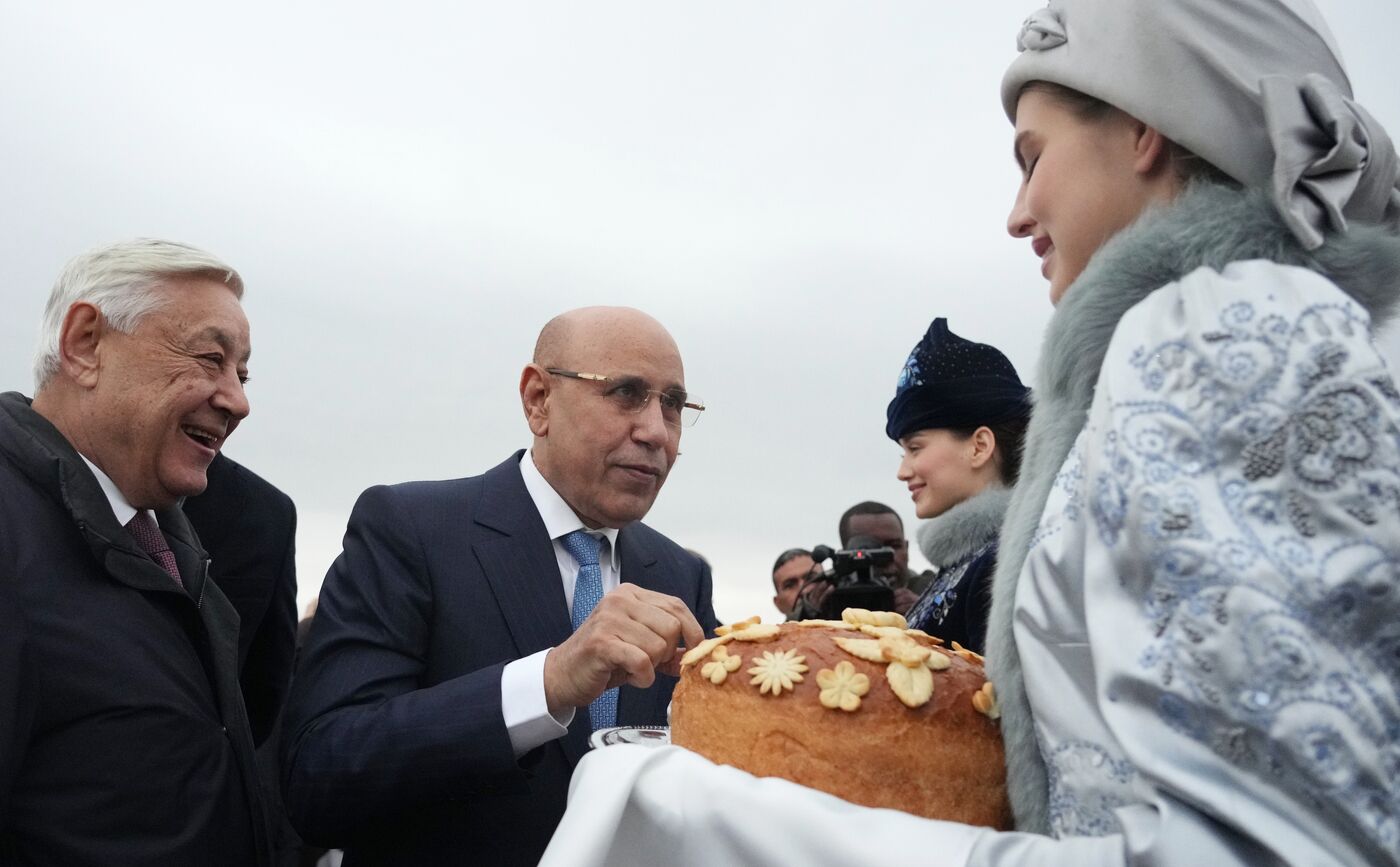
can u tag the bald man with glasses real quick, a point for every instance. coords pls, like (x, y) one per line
(474, 632)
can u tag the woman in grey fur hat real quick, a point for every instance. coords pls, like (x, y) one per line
(1195, 628)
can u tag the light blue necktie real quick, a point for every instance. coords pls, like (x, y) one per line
(588, 592)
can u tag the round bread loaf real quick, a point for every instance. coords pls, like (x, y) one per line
(799, 705)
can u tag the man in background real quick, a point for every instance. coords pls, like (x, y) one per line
(869, 525)
(878, 522)
(790, 572)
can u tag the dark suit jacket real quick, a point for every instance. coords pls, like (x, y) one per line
(249, 529)
(123, 738)
(396, 749)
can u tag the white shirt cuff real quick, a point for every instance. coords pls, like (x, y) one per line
(528, 720)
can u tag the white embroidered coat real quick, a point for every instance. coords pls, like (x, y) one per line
(1209, 616)
(1207, 621)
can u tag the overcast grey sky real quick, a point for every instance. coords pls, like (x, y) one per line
(410, 190)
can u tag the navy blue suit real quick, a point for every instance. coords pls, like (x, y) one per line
(396, 749)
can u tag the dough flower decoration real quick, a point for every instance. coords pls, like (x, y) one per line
(922, 634)
(842, 686)
(747, 630)
(985, 700)
(756, 632)
(893, 647)
(737, 627)
(829, 624)
(861, 617)
(867, 649)
(720, 666)
(904, 650)
(775, 672)
(910, 664)
(704, 649)
(913, 686)
(882, 631)
(969, 655)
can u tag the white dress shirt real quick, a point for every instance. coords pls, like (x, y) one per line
(528, 720)
(123, 510)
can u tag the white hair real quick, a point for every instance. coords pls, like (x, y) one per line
(122, 281)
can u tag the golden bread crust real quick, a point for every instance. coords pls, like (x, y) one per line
(942, 759)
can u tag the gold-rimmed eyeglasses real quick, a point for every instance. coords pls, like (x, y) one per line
(631, 394)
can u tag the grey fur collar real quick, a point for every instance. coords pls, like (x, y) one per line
(964, 529)
(1208, 225)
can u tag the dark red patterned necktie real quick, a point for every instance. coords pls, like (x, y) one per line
(144, 530)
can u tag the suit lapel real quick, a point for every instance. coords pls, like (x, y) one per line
(519, 563)
(125, 561)
(638, 562)
(78, 489)
(640, 567)
(517, 558)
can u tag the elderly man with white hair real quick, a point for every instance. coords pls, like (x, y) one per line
(123, 736)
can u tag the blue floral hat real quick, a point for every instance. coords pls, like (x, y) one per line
(949, 382)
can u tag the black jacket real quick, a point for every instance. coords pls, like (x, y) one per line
(249, 529)
(123, 738)
(962, 544)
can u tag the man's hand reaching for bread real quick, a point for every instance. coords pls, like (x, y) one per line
(631, 634)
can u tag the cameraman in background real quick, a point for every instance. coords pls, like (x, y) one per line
(883, 524)
(857, 577)
(869, 525)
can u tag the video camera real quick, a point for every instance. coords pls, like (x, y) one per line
(852, 577)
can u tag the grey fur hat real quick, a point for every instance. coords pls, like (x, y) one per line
(1254, 87)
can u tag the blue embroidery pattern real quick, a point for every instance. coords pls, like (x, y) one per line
(1087, 783)
(1070, 482)
(910, 374)
(934, 604)
(1258, 486)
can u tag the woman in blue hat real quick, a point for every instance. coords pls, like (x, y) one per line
(959, 414)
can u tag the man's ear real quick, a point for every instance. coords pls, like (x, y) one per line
(79, 339)
(534, 398)
(1151, 154)
(984, 445)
